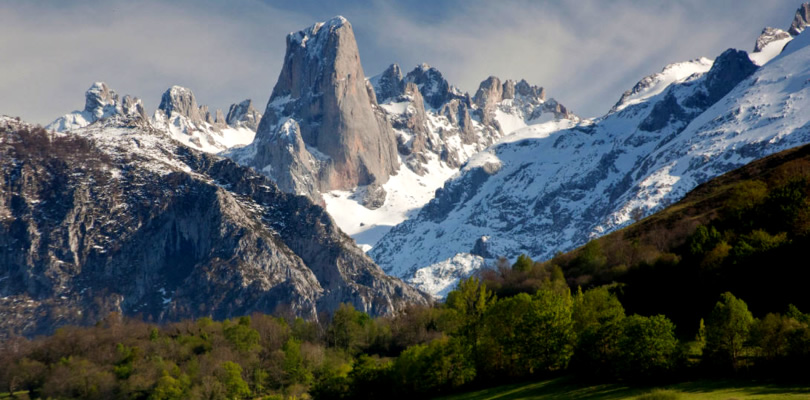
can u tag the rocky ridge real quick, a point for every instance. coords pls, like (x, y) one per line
(573, 184)
(178, 116)
(115, 217)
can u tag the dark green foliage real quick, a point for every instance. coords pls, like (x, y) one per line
(727, 330)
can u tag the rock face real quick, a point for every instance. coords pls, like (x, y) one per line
(243, 114)
(768, 36)
(800, 20)
(322, 88)
(550, 191)
(178, 116)
(100, 102)
(118, 218)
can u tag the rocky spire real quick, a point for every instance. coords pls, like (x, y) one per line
(243, 114)
(323, 88)
(389, 84)
(801, 19)
(100, 100)
(181, 100)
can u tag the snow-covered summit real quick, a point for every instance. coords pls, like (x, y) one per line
(178, 116)
(100, 102)
(656, 83)
(543, 190)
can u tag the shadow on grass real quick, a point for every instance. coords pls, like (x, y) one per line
(568, 388)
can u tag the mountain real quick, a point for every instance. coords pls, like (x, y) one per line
(373, 151)
(539, 193)
(742, 232)
(178, 116)
(117, 217)
(322, 129)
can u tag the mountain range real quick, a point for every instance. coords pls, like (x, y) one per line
(191, 212)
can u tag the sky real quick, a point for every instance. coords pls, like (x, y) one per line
(586, 53)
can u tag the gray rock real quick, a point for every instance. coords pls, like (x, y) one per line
(133, 107)
(769, 35)
(389, 84)
(434, 88)
(106, 220)
(373, 196)
(800, 20)
(322, 87)
(100, 100)
(180, 100)
(243, 114)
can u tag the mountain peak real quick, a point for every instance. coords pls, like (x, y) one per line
(801, 19)
(180, 100)
(99, 98)
(322, 87)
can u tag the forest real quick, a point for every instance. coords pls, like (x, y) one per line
(711, 287)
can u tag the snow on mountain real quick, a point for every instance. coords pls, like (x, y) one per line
(100, 102)
(178, 116)
(118, 217)
(438, 128)
(539, 194)
(194, 126)
(657, 83)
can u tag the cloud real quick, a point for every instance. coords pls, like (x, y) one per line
(585, 53)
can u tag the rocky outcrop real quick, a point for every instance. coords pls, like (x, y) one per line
(115, 218)
(243, 114)
(195, 125)
(769, 35)
(389, 84)
(801, 19)
(100, 102)
(434, 88)
(322, 88)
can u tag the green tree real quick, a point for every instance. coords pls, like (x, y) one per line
(598, 317)
(231, 378)
(523, 264)
(242, 336)
(171, 388)
(293, 365)
(647, 346)
(470, 301)
(727, 330)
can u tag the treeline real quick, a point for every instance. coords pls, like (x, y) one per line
(474, 338)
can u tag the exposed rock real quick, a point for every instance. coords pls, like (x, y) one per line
(435, 89)
(100, 102)
(133, 107)
(121, 219)
(389, 84)
(180, 100)
(800, 20)
(373, 196)
(769, 35)
(489, 94)
(243, 114)
(323, 88)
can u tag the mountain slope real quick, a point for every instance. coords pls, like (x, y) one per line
(116, 217)
(583, 182)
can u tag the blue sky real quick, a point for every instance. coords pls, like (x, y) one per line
(586, 53)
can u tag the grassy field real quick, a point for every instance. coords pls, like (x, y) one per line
(565, 388)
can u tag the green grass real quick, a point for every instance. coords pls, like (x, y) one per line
(565, 388)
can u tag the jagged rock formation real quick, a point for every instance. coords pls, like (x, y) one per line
(768, 36)
(772, 41)
(243, 114)
(116, 217)
(182, 118)
(568, 185)
(178, 116)
(430, 116)
(322, 92)
(800, 20)
(100, 102)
